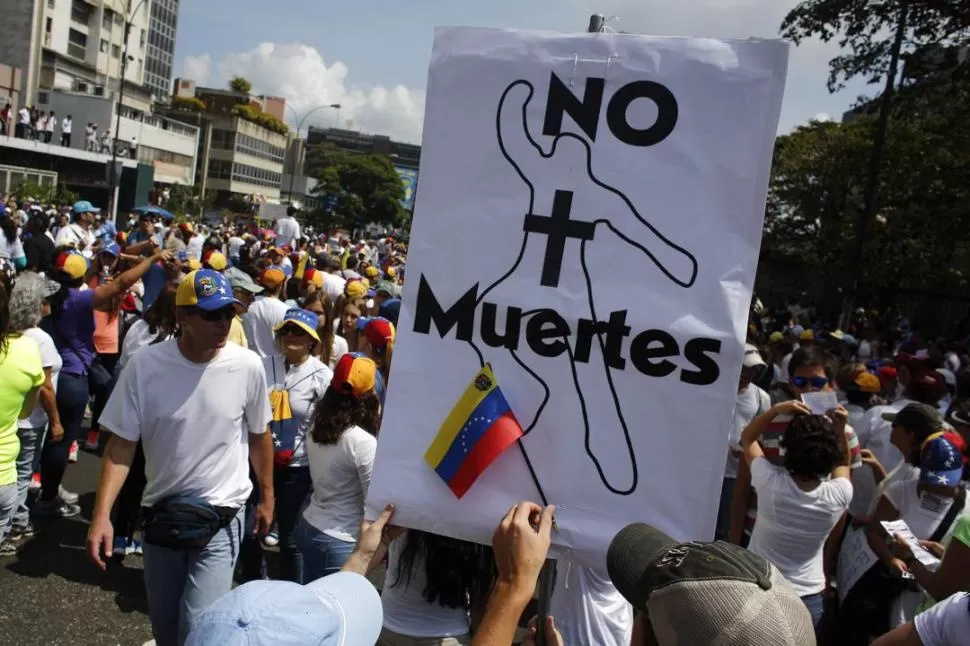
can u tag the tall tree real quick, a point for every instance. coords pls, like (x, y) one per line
(368, 189)
(864, 31)
(240, 84)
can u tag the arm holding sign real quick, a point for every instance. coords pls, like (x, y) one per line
(521, 542)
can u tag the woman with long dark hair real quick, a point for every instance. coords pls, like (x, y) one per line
(21, 376)
(71, 325)
(10, 245)
(332, 346)
(157, 325)
(341, 456)
(431, 586)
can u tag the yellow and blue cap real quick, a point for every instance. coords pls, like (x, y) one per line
(304, 319)
(205, 289)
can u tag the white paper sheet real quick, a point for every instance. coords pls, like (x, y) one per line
(616, 332)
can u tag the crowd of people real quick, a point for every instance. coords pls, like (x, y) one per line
(234, 378)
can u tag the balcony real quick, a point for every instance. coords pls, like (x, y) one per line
(77, 51)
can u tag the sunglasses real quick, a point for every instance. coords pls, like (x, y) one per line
(817, 383)
(293, 330)
(216, 316)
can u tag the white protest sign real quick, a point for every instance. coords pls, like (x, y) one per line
(855, 559)
(588, 224)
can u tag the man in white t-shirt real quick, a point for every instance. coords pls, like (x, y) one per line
(265, 313)
(67, 123)
(751, 401)
(79, 234)
(287, 228)
(200, 408)
(587, 607)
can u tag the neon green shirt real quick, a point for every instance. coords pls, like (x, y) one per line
(960, 532)
(20, 372)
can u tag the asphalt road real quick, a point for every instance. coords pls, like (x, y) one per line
(50, 593)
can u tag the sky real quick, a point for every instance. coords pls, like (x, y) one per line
(371, 56)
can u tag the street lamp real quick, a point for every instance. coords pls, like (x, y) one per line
(121, 95)
(299, 126)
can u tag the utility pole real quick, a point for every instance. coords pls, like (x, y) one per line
(299, 126)
(871, 190)
(113, 170)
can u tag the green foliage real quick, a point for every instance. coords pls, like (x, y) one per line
(920, 239)
(255, 115)
(239, 84)
(368, 187)
(44, 193)
(188, 103)
(864, 30)
(184, 200)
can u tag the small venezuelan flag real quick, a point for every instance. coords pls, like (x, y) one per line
(478, 429)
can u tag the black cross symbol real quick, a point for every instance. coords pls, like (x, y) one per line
(558, 227)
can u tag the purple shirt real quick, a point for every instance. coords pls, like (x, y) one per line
(73, 331)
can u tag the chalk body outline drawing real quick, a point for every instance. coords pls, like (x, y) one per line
(585, 236)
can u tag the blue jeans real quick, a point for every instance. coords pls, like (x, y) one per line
(181, 584)
(816, 606)
(322, 554)
(724, 510)
(31, 441)
(8, 504)
(292, 486)
(72, 398)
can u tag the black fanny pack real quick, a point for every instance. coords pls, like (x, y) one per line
(185, 522)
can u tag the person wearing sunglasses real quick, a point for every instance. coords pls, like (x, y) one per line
(297, 380)
(201, 409)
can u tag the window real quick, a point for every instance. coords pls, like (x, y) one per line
(80, 12)
(115, 51)
(50, 4)
(103, 48)
(106, 19)
(49, 25)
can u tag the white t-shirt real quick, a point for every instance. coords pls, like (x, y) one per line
(49, 358)
(341, 475)
(333, 286)
(406, 611)
(874, 434)
(66, 126)
(193, 420)
(51, 123)
(306, 384)
(259, 323)
(338, 349)
(793, 524)
(287, 230)
(74, 235)
(947, 623)
(747, 405)
(11, 250)
(235, 244)
(24, 116)
(193, 248)
(139, 335)
(923, 513)
(588, 608)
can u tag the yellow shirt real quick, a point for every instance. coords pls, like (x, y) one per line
(20, 372)
(237, 334)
